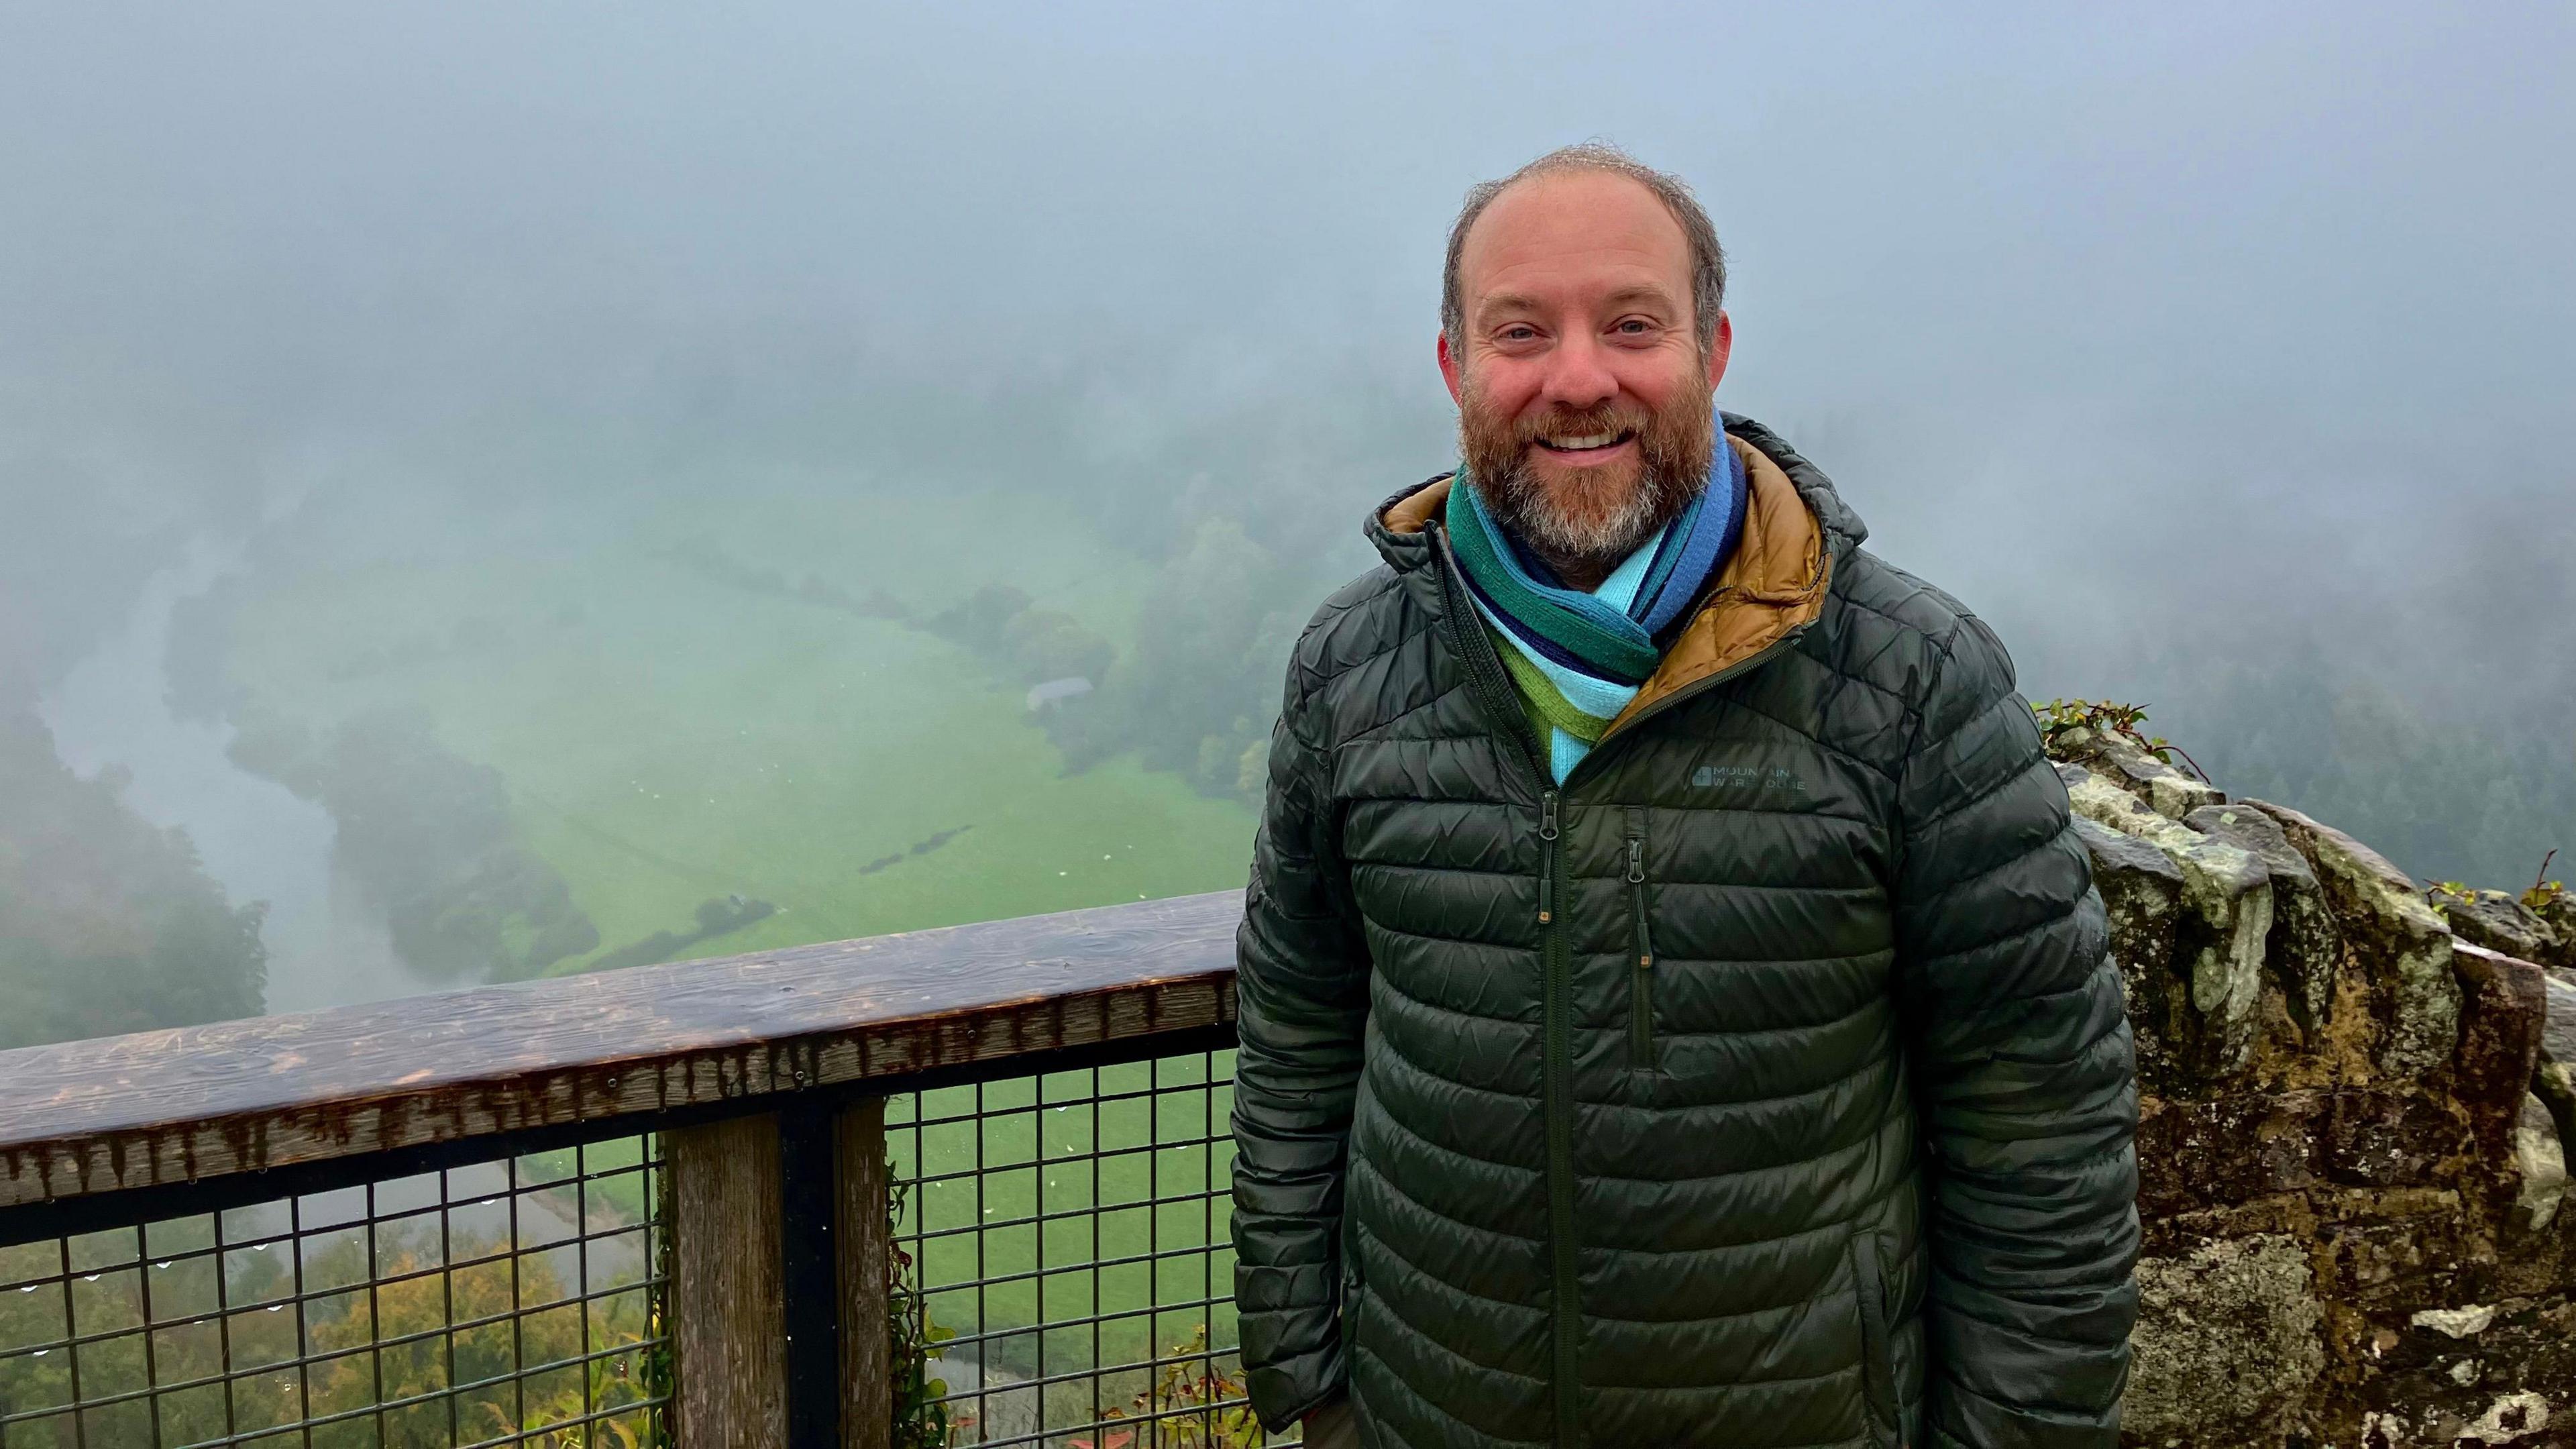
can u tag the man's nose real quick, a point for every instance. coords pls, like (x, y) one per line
(1578, 376)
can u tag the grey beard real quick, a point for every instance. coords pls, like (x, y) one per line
(1523, 506)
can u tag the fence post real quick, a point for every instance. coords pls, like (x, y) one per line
(860, 1208)
(727, 1334)
(756, 1263)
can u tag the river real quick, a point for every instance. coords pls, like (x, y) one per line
(326, 947)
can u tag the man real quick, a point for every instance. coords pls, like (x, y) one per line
(1674, 1003)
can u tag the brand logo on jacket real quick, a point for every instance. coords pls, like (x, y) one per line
(1777, 780)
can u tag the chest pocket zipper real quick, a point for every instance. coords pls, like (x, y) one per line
(1641, 999)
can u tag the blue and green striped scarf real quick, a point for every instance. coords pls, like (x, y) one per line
(1578, 658)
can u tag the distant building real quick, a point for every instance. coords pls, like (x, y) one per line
(1057, 690)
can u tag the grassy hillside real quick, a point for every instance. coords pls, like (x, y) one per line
(665, 737)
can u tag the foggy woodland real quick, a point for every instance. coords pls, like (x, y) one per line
(497, 491)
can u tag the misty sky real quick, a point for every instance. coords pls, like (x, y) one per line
(2234, 307)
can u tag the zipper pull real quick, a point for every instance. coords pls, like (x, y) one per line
(1547, 833)
(1636, 861)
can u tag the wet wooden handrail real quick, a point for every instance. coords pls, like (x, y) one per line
(187, 1104)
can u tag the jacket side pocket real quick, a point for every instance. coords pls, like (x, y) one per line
(1354, 1288)
(1878, 1354)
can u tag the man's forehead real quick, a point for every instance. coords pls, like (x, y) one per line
(1574, 228)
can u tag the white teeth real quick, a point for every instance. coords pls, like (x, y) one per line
(1576, 445)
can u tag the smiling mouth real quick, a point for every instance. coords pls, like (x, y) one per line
(1584, 442)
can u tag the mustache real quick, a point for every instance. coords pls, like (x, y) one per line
(1605, 418)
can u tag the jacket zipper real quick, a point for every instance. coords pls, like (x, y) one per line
(1641, 999)
(1547, 837)
(1484, 675)
(1557, 1071)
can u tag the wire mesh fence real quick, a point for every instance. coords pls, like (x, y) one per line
(1065, 1235)
(512, 1301)
(1070, 1231)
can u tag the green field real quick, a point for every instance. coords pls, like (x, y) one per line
(665, 737)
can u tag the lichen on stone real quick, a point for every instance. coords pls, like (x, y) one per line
(2228, 893)
(2466, 1321)
(2540, 1163)
(2228, 1339)
(2403, 944)
(2353, 1128)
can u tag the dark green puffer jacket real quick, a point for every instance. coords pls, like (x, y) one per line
(1764, 1085)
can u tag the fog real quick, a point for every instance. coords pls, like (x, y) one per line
(2219, 355)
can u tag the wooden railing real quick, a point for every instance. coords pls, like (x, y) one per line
(762, 1078)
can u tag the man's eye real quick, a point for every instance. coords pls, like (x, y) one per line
(1519, 334)
(1636, 326)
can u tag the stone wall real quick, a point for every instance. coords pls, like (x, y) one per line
(2355, 1105)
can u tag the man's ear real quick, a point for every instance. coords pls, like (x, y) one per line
(1721, 345)
(1449, 370)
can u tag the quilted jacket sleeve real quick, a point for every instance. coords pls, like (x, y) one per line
(2025, 1074)
(1302, 995)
